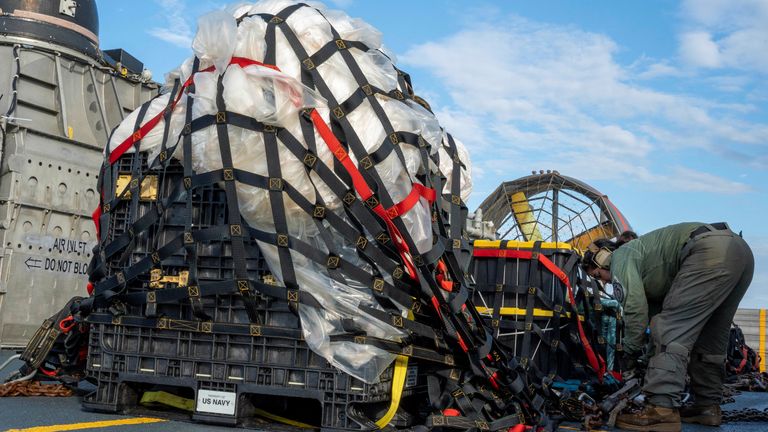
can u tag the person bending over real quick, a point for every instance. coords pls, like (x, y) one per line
(697, 273)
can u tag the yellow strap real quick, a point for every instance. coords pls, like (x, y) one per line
(521, 312)
(398, 383)
(165, 398)
(515, 244)
(283, 420)
(761, 342)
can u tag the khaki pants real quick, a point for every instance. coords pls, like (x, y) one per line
(691, 331)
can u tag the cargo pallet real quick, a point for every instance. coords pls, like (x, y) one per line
(255, 370)
(280, 376)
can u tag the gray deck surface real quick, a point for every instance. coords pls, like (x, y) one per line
(37, 412)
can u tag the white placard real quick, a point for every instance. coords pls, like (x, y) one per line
(411, 376)
(216, 402)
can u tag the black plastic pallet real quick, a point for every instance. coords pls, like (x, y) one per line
(280, 376)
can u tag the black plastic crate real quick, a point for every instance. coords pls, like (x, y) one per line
(536, 342)
(213, 260)
(209, 209)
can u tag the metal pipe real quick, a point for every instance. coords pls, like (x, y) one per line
(60, 92)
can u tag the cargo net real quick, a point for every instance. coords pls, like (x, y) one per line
(551, 207)
(545, 310)
(342, 179)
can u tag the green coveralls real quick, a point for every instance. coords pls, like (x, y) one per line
(697, 283)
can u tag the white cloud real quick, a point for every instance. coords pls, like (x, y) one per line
(342, 4)
(689, 180)
(659, 70)
(699, 50)
(725, 33)
(177, 31)
(180, 40)
(554, 97)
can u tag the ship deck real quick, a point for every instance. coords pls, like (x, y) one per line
(49, 414)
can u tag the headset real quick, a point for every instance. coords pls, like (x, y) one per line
(601, 256)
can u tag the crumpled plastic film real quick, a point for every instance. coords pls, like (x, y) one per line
(216, 38)
(277, 97)
(446, 166)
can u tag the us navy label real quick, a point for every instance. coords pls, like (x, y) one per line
(216, 402)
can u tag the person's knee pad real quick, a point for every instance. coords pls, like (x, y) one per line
(671, 357)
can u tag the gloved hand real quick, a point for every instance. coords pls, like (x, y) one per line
(633, 365)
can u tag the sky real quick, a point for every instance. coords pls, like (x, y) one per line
(661, 105)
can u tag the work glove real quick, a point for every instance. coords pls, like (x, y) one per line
(633, 365)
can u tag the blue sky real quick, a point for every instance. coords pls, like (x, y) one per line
(661, 105)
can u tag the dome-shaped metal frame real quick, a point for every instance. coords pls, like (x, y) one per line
(552, 207)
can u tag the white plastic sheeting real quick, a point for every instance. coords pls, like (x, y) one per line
(276, 97)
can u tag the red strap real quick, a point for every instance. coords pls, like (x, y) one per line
(245, 62)
(67, 324)
(617, 376)
(436, 305)
(50, 373)
(595, 360)
(82, 356)
(442, 276)
(451, 412)
(743, 360)
(462, 344)
(148, 126)
(494, 381)
(136, 136)
(96, 216)
(502, 253)
(419, 191)
(362, 189)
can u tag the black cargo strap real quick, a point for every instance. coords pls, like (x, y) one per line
(233, 209)
(163, 323)
(162, 160)
(498, 290)
(534, 285)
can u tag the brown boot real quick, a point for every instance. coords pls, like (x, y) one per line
(709, 415)
(651, 419)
